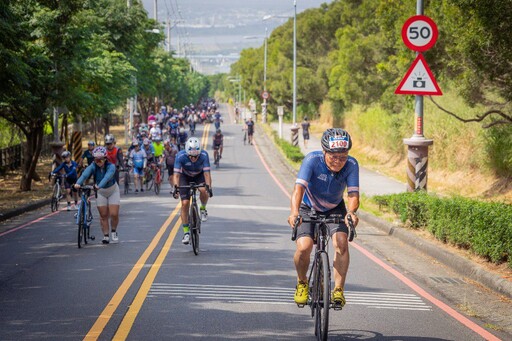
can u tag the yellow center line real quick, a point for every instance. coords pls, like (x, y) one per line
(205, 135)
(111, 307)
(133, 311)
(129, 318)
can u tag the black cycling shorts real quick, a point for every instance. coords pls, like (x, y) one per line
(186, 180)
(308, 229)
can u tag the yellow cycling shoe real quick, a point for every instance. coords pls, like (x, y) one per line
(301, 293)
(337, 297)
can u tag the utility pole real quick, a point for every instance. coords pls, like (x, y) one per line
(155, 13)
(294, 62)
(264, 105)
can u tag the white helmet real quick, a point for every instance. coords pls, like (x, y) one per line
(193, 147)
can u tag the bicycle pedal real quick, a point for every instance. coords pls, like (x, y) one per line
(337, 306)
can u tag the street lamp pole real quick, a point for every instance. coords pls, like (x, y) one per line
(264, 105)
(294, 62)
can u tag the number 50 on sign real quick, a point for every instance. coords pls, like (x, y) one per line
(419, 33)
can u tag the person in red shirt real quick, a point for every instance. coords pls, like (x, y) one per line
(114, 154)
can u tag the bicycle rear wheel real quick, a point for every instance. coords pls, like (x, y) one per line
(195, 222)
(323, 299)
(126, 183)
(158, 180)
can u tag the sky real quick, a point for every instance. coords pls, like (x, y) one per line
(211, 33)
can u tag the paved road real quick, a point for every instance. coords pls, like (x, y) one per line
(150, 287)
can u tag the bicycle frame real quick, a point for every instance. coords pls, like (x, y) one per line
(319, 277)
(194, 218)
(57, 192)
(84, 215)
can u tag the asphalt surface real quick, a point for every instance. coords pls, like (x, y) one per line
(240, 286)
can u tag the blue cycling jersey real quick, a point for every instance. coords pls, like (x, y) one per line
(103, 176)
(138, 158)
(183, 164)
(324, 189)
(69, 169)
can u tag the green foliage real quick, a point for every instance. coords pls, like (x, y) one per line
(484, 228)
(499, 149)
(292, 152)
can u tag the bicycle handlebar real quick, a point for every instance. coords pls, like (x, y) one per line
(332, 219)
(193, 185)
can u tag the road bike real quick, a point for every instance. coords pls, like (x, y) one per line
(56, 192)
(216, 154)
(127, 179)
(157, 178)
(148, 178)
(319, 279)
(245, 136)
(194, 216)
(84, 215)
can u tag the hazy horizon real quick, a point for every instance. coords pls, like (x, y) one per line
(221, 28)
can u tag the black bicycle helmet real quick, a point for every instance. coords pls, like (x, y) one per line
(336, 140)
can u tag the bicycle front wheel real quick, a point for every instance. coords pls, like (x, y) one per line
(194, 228)
(81, 225)
(323, 298)
(55, 198)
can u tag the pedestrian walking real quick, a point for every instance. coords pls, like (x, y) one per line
(305, 131)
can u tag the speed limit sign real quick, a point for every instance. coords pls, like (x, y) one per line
(419, 33)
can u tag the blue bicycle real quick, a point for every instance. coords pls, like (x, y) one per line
(84, 215)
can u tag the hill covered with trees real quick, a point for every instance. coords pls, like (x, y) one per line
(351, 58)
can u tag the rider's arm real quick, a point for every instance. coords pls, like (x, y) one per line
(72, 169)
(109, 174)
(352, 206)
(298, 193)
(208, 179)
(86, 174)
(353, 190)
(59, 167)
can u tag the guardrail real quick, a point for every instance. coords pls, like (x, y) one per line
(11, 158)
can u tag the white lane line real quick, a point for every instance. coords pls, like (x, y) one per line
(251, 207)
(275, 295)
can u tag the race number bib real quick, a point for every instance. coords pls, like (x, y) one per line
(338, 142)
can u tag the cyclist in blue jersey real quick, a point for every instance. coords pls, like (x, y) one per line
(217, 119)
(70, 174)
(109, 197)
(138, 158)
(148, 148)
(321, 182)
(192, 165)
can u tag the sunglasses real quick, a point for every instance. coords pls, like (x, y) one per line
(337, 156)
(99, 160)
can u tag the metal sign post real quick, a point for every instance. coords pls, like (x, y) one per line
(419, 33)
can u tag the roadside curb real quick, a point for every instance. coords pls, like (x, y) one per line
(23, 209)
(459, 264)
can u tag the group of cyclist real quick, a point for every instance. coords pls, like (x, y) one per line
(102, 165)
(323, 178)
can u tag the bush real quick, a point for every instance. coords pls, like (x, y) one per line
(482, 227)
(290, 151)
